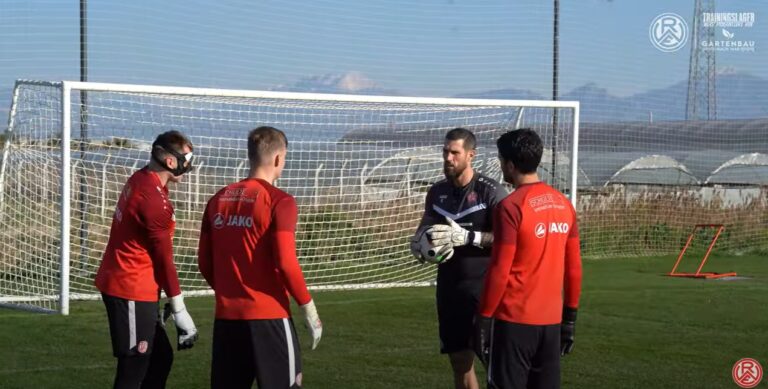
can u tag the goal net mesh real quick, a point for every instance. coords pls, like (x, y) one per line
(359, 171)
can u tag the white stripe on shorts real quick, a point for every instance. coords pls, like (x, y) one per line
(490, 356)
(131, 324)
(291, 355)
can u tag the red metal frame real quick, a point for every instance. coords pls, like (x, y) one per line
(699, 273)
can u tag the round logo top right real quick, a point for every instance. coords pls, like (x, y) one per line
(668, 32)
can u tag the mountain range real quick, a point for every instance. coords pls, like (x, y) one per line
(739, 96)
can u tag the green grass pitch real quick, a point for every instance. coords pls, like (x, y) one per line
(636, 329)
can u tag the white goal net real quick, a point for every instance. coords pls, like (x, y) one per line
(359, 167)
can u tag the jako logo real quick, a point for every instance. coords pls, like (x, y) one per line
(240, 221)
(559, 228)
(554, 228)
(218, 221)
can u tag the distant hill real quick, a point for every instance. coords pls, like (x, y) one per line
(739, 96)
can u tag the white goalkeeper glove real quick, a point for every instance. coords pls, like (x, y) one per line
(451, 234)
(185, 328)
(442, 254)
(312, 321)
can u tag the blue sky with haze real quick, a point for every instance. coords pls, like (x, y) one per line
(429, 47)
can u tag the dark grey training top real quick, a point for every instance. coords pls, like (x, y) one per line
(471, 207)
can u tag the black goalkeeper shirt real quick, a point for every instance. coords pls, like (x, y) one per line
(472, 208)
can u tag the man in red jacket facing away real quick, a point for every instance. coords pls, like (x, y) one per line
(248, 256)
(533, 282)
(138, 262)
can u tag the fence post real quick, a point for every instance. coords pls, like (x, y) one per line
(239, 168)
(104, 185)
(362, 184)
(198, 170)
(73, 172)
(341, 180)
(408, 180)
(18, 178)
(317, 186)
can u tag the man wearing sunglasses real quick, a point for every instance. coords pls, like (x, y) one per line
(138, 263)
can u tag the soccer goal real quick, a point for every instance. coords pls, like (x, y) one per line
(359, 167)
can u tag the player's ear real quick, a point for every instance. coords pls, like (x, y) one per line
(170, 161)
(510, 166)
(277, 160)
(472, 153)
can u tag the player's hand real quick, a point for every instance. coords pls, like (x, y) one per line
(415, 248)
(185, 328)
(481, 340)
(312, 321)
(448, 234)
(445, 252)
(567, 330)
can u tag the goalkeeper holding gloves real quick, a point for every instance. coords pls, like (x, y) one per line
(186, 332)
(457, 223)
(138, 263)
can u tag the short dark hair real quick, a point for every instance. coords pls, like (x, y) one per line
(174, 140)
(523, 147)
(265, 141)
(462, 134)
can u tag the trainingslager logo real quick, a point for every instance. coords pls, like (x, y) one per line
(747, 373)
(668, 32)
(734, 28)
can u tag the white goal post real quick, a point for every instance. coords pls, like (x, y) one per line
(359, 167)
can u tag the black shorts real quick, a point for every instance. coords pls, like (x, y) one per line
(266, 351)
(456, 307)
(524, 356)
(131, 325)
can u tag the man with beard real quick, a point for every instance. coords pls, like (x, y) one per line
(457, 218)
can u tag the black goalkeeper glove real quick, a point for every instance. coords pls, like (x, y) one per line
(481, 339)
(567, 330)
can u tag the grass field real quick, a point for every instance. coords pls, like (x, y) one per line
(636, 329)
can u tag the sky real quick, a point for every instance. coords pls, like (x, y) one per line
(416, 48)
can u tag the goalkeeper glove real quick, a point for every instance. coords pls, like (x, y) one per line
(481, 340)
(567, 330)
(452, 234)
(415, 246)
(185, 328)
(312, 321)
